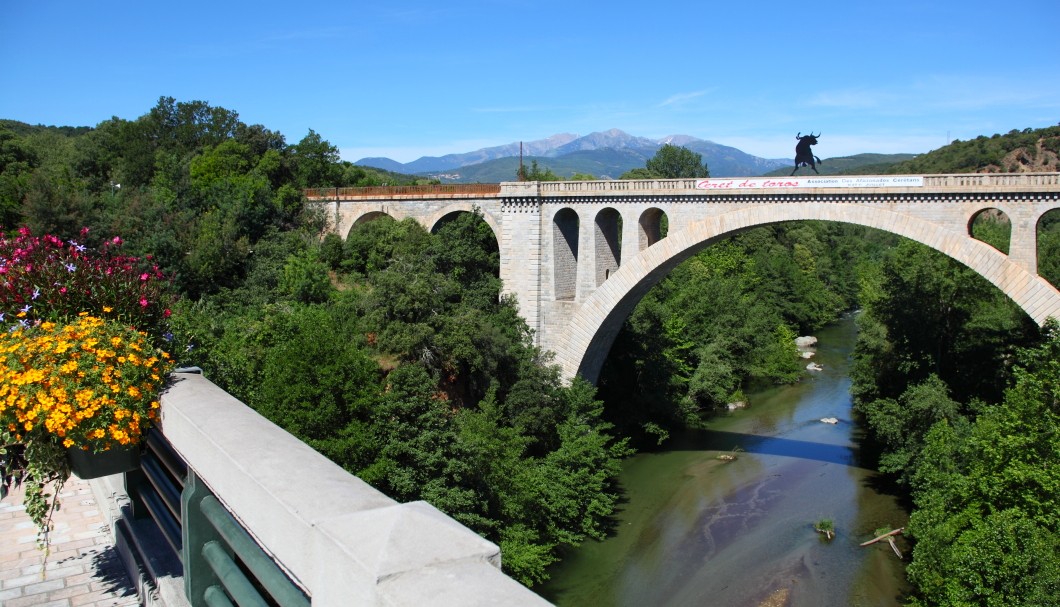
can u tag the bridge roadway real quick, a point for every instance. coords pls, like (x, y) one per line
(579, 255)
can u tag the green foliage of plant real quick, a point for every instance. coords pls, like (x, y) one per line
(986, 525)
(305, 278)
(675, 162)
(535, 173)
(934, 316)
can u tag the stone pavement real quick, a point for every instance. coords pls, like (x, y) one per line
(83, 569)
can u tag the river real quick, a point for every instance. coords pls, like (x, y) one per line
(698, 530)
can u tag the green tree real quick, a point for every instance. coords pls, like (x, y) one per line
(316, 162)
(535, 173)
(305, 278)
(17, 161)
(675, 162)
(986, 525)
(901, 425)
(639, 173)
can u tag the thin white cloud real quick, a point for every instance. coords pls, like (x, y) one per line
(681, 98)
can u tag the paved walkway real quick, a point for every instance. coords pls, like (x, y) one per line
(83, 569)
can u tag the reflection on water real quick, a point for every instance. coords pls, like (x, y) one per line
(721, 440)
(698, 530)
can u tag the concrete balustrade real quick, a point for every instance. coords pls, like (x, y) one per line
(341, 540)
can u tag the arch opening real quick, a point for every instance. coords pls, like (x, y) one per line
(608, 243)
(565, 254)
(653, 225)
(993, 227)
(471, 226)
(1048, 246)
(367, 217)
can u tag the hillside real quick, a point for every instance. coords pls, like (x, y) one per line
(858, 164)
(1026, 151)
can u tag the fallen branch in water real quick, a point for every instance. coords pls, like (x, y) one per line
(884, 536)
(890, 541)
(889, 536)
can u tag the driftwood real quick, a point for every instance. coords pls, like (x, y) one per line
(889, 536)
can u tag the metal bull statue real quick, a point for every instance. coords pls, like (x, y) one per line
(803, 154)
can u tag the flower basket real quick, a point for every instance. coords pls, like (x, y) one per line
(88, 465)
(83, 357)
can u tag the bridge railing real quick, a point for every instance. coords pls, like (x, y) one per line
(554, 188)
(992, 180)
(402, 190)
(335, 537)
(627, 185)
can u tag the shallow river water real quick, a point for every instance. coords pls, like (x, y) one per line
(697, 530)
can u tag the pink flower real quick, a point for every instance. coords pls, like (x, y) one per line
(116, 240)
(144, 277)
(143, 302)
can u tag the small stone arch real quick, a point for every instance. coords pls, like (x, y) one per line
(565, 228)
(436, 220)
(365, 218)
(992, 226)
(607, 241)
(651, 227)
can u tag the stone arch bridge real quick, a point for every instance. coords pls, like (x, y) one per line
(579, 255)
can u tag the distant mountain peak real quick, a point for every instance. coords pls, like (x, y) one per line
(680, 140)
(613, 152)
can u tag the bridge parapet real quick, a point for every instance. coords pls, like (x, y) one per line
(990, 182)
(339, 539)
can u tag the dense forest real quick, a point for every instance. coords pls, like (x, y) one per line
(393, 353)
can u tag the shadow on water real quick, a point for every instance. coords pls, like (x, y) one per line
(721, 440)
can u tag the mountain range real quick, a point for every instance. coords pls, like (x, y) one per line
(604, 154)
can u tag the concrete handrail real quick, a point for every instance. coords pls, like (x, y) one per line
(341, 540)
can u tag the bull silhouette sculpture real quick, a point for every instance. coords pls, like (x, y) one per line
(803, 154)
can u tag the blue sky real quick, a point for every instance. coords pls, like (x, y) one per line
(408, 79)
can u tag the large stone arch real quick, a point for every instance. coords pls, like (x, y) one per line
(582, 348)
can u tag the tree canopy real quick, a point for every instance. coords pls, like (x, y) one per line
(671, 162)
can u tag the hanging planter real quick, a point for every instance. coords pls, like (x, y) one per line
(88, 465)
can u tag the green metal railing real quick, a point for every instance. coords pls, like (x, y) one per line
(223, 565)
(155, 488)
